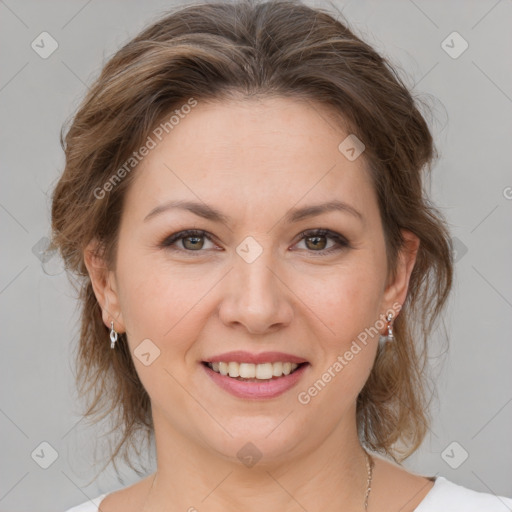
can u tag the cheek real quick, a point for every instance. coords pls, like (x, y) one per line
(348, 304)
(347, 299)
(159, 303)
(164, 307)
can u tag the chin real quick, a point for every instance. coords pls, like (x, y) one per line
(266, 442)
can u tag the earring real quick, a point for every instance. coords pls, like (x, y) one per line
(384, 340)
(113, 335)
(390, 327)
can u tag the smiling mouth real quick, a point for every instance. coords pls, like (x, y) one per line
(249, 372)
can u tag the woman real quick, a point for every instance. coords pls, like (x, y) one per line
(243, 199)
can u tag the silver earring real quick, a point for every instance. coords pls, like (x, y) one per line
(113, 335)
(389, 338)
(390, 327)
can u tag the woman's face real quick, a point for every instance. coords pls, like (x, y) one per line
(251, 281)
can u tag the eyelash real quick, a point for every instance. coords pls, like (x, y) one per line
(340, 242)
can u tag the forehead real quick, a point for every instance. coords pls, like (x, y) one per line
(252, 152)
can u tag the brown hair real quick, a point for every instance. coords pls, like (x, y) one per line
(217, 51)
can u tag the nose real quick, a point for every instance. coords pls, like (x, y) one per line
(257, 296)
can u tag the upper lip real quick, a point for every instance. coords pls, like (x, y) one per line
(241, 356)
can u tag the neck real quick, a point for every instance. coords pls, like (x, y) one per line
(330, 476)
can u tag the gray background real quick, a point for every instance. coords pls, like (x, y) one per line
(472, 185)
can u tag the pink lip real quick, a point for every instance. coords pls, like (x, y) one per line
(240, 356)
(257, 390)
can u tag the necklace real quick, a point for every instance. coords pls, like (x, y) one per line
(369, 469)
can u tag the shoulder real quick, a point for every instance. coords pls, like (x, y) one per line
(447, 496)
(88, 506)
(127, 499)
(397, 489)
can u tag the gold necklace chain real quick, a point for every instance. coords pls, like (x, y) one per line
(369, 469)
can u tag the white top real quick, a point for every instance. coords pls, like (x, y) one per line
(445, 496)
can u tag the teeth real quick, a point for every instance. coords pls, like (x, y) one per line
(233, 370)
(262, 371)
(246, 370)
(277, 369)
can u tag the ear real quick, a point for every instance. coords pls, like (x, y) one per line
(105, 287)
(396, 291)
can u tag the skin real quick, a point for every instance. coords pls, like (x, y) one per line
(254, 160)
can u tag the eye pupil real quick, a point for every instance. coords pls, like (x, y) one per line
(199, 242)
(316, 244)
(316, 241)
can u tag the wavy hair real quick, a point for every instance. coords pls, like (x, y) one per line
(214, 52)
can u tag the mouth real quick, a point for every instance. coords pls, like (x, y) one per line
(255, 381)
(249, 372)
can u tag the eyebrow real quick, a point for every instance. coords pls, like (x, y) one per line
(293, 215)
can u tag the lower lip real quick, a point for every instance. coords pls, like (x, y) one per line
(256, 390)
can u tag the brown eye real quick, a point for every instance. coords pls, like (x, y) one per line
(316, 242)
(193, 242)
